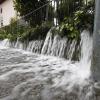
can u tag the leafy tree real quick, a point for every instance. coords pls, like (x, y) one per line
(67, 8)
(24, 7)
(84, 17)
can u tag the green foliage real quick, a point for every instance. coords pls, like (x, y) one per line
(24, 7)
(78, 11)
(2, 34)
(72, 21)
(84, 18)
(5, 34)
(67, 8)
(15, 30)
(80, 19)
(39, 32)
(69, 30)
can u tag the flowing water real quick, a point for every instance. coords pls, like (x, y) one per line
(45, 74)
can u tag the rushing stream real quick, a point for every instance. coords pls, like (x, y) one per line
(46, 74)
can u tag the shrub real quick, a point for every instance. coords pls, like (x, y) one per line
(84, 20)
(39, 32)
(67, 28)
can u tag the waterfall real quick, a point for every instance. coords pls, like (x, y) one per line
(86, 50)
(4, 43)
(35, 46)
(48, 75)
(55, 45)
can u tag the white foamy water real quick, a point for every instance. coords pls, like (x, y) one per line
(29, 76)
(4, 44)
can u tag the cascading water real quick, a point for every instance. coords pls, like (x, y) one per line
(34, 76)
(57, 46)
(4, 43)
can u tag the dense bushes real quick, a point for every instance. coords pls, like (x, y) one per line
(68, 29)
(13, 31)
(68, 7)
(70, 24)
(84, 18)
(39, 32)
(79, 20)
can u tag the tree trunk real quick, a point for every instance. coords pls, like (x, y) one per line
(96, 44)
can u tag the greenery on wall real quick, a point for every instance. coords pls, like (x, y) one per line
(14, 31)
(80, 19)
(39, 32)
(70, 24)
